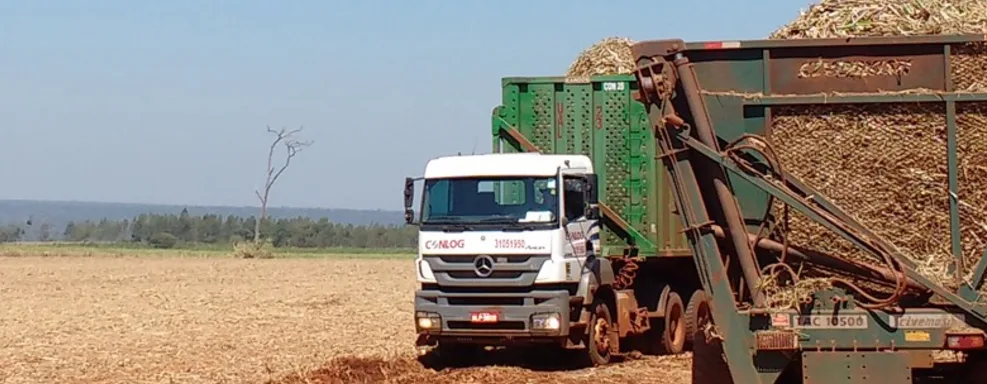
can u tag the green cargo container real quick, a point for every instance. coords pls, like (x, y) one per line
(601, 120)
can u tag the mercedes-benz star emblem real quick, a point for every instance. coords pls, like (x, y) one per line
(483, 265)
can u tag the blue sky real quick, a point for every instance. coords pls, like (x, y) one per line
(167, 101)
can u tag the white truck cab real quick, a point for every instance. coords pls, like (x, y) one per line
(503, 248)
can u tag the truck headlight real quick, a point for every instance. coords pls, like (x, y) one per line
(426, 321)
(546, 321)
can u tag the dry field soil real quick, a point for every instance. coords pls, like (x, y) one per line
(221, 320)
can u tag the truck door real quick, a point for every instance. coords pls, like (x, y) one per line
(579, 230)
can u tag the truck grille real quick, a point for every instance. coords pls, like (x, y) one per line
(486, 301)
(507, 270)
(460, 275)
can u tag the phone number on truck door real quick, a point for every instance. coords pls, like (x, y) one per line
(509, 243)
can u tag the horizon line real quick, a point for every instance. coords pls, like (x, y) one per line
(195, 205)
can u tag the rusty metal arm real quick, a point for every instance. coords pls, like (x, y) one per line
(834, 224)
(825, 260)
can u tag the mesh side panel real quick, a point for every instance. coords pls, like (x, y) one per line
(615, 124)
(586, 122)
(968, 65)
(885, 164)
(570, 132)
(542, 127)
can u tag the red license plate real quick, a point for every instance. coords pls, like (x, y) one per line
(484, 317)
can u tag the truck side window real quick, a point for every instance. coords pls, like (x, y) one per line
(574, 204)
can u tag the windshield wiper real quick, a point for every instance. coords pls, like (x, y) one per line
(520, 228)
(448, 223)
(456, 228)
(500, 219)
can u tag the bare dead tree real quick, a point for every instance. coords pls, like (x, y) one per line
(292, 147)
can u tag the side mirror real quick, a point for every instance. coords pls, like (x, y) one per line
(409, 192)
(409, 200)
(592, 212)
(591, 197)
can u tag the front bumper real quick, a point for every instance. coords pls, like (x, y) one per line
(451, 314)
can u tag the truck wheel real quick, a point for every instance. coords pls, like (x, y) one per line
(599, 339)
(696, 314)
(674, 334)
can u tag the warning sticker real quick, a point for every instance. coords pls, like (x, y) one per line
(781, 320)
(917, 336)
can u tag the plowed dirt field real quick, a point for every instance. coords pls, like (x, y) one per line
(209, 320)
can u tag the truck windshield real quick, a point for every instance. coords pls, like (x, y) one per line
(490, 200)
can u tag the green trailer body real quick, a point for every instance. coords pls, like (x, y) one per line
(701, 96)
(599, 119)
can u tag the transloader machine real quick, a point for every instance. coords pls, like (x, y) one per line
(630, 213)
(711, 105)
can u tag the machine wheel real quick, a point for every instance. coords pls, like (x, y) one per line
(599, 337)
(673, 336)
(696, 314)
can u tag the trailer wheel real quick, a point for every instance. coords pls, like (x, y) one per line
(599, 337)
(673, 336)
(696, 314)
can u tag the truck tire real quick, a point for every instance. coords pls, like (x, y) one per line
(599, 338)
(673, 335)
(696, 314)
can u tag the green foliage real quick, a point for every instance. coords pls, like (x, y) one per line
(163, 240)
(300, 232)
(11, 233)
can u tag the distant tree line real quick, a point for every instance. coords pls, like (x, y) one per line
(9, 233)
(168, 231)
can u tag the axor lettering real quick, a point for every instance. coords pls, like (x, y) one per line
(445, 244)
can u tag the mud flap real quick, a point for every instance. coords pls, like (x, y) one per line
(708, 364)
(885, 367)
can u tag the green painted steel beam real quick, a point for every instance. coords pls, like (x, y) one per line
(971, 290)
(957, 268)
(868, 98)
